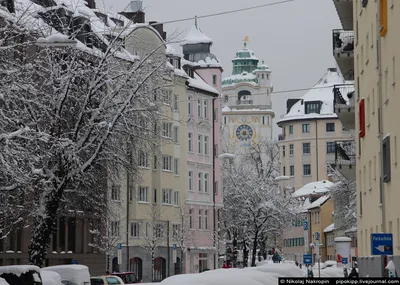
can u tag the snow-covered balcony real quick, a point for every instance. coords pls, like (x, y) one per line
(344, 9)
(343, 51)
(281, 137)
(344, 104)
(345, 158)
(244, 102)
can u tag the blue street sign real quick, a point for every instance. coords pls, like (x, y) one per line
(119, 246)
(307, 259)
(316, 235)
(306, 225)
(174, 246)
(345, 260)
(382, 244)
(74, 261)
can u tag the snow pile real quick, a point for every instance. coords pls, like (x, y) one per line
(3, 282)
(196, 36)
(18, 270)
(322, 91)
(318, 187)
(50, 278)
(209, 62)
(55, 38)
(75, 273)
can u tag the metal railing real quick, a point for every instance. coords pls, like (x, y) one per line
(343, 95)
(281, 137)
(244, 102)
(345, 152)
(343, 42)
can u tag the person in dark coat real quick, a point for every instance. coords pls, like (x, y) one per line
(353, 273)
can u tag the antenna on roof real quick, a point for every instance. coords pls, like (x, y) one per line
(195, 21)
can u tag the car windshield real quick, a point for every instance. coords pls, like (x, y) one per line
(112, 280)
(130, 278)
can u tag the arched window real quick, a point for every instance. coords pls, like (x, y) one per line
(244, 95)
(136, 266)
(160, 269)
(115, 266)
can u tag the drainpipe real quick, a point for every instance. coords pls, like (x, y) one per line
(316, 146)
(168, 252)
(216, 255)
(128, 187)
(380, 119)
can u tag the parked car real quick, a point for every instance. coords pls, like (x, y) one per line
(128, 277)
(106, 280)
(50, 278)
(71, 274)
(21, 274)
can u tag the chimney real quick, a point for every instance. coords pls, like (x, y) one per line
(135, 12)
(91, 4)
(159, 28)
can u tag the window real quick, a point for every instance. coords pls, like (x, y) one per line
(191, 218)
(116, 193)
(226, 98)
(176, 231)
(168, 97)
(394, 72)
(167, 195)
(135, 229)
(190, 142)
(203, 262)
(200, 182)
(224, 120)
(131, 192)
(312, 107)
(167, 162)
(214, 79)
(284, 171)
(190, 174)
(199, 108)
(291, 149)
(167, 130)
(305, 128)
(158, 230)
(205, 105)
(330, 147)
(386, 159)
(362, 118)
(176, 100)
(200, 219)
(190, 106)
(330, 127)
(143, 194)
(176, 134)
(115, 229)
(307, 169)
(176, 198)
(206, 145)
(206, 183)
(206, 219)
(262, 75)
(176, 166)
(155, 196)
(306, 148)
(216, 188)
(215, 150)
(292, 170)
(290, 130)
(143, 159)
(155, 162)
(283, 151)
(200, 143)
(215, 114)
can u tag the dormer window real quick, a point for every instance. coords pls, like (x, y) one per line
(118, 23)
(102, 17)
(313, 107)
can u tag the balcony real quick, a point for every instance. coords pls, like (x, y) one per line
(345, 158)
(344, 9)
(244, 102)
(344, 104)
(281, 137)
(343, 52)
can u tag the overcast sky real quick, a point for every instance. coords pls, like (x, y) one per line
(294, 39)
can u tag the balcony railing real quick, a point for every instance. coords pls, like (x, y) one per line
(345, 152)
(343, 42)
(343, 95)
(281, 137)
(244, 102)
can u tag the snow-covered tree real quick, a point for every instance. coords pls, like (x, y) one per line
(65, 114)
(253, 205)
(182, 232)
(154, 231)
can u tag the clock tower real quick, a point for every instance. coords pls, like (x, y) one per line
(246, 99)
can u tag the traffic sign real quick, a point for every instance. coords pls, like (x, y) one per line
(306, 225)
(382, 244)
(345, 260)
(174, 246)
(307, 259)
(119, 246)
(174, 256)
(316, 235)
(119, 256)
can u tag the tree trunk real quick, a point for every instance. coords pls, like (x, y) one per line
(254, 253)
(182, 261)
(234, 252)
(245, 254)
(43, 228)
(152, 265)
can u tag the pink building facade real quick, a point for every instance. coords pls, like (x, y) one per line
(204, 194)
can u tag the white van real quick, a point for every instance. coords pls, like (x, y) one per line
(71, 274)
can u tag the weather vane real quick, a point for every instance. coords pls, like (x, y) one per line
(246, 39)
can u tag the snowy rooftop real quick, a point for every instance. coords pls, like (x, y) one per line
(199, 83)
(322, 91)
(329, 228)
(318, 187)
(209, 62)
(319, 202)
(238, 78)
(196, 36)
(245, 54)
(171, 51)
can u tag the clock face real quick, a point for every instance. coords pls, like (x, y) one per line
(244, 132)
